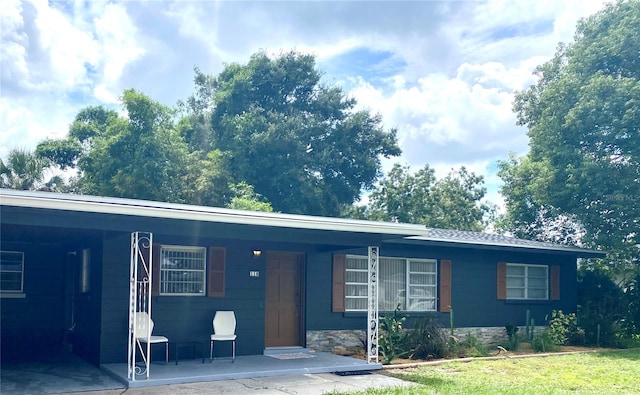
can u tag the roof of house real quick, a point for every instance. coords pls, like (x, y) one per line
(146, 208)
(401, 233)
(495, 240)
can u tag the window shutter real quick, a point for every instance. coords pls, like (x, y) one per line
(445, 285)
(155, 270)
(216, 274)
(555, 282)
(338, 291)
(502, 281)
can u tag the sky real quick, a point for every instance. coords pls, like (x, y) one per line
(443, 73)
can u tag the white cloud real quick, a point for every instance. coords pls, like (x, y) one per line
(472, 111)
(23, 125)
(12, 51)
(68, 49)
(453, 66)
(119, 47)
(56, 61)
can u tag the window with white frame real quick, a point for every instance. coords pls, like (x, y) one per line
(527, 281)
(410, 283)
(11, 271)
(182, 270)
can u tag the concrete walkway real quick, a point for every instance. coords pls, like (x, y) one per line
(307, 384)
(68, 374)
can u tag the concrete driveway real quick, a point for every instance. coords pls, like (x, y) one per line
(307, 384)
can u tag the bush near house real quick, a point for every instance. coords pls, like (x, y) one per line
(608, 313)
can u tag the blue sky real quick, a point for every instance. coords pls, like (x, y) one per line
(442, 73)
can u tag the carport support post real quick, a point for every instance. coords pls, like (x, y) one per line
(372, 310)
(140, 280)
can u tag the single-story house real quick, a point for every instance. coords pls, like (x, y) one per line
(292, 280)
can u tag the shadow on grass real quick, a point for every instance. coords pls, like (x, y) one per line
(421, 379)
(629, 354)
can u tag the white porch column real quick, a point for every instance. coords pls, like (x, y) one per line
(372, 310)
(140, 280)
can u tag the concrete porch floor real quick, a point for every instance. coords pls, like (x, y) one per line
(244, 367)
(64, 374)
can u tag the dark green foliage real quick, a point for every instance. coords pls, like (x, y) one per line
(63, 152)
(428, 339)
(393, 338)
(25, 170)
(471, 346)
(544, 342)
(631, 320)
(299, 143)
(453, 202)
(513, 340)
(564, 329)
(601, 308)
(246, 199)
(582, 117)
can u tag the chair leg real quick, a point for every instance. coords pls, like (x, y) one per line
(166, 351)
(233, 351)
(211, 351)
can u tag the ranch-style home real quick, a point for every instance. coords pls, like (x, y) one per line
(74, 269)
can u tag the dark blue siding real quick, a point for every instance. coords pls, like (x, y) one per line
(319, 281)
(184, 318)
(34, 325)
(86, 338)
(473, 288)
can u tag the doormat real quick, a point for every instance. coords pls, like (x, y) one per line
(292, 355)
(353, 373)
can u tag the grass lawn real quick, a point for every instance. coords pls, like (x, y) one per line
(611, 372)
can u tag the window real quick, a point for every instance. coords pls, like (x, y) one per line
(182, 270)
(527, 281)
(411, 283)
(356, 283)
(11, 271)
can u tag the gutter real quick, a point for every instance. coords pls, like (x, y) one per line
(144, 208)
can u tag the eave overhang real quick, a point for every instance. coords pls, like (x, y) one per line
(152, 209)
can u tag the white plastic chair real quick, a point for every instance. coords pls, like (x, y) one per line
(224, 329)
(144, 326)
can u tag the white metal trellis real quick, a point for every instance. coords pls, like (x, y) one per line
(372, 310)
(140, 281)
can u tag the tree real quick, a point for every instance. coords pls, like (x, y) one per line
(527, 219)
(583, 118)
(453, 202)
(246, 199)
(138, 156)
(24, 170)
(299, 143)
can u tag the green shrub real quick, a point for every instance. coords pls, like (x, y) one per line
(393, 339)
(543, 342)
(472, 347)
(631, 320)
(513, 340)
(564, 329)
(601, 308)
(429, 340)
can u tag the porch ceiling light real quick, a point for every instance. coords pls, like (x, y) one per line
(256, 254)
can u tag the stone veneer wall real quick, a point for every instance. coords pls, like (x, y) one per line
(336, 341)
(345, 341)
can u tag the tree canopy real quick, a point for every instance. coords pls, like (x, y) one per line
(24, 170)
(267, 135)
(583, 119)
(453, 202)
(138, 156)
(299, 143)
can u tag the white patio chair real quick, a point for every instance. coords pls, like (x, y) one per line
(144, 326)
(224, 329)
